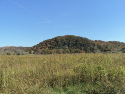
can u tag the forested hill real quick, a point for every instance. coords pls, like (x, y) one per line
(75, 44)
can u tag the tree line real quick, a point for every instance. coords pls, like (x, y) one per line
(75, 44)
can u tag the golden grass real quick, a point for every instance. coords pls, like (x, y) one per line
(62, 74)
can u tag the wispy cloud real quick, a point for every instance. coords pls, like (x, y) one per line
(64, 15)
(45, 21)
(48, 21)
(20, 6)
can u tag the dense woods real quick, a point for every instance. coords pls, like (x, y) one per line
(75, 44)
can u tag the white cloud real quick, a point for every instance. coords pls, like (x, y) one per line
(64, 15)
(48, 21)
(20, 6)
(45, 21)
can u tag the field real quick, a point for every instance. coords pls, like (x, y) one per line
(85, 73)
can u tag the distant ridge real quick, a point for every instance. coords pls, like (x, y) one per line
(67, 44)
(12, 50)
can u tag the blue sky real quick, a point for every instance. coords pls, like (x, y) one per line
(28, 22)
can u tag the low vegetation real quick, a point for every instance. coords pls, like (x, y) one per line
(84, 73)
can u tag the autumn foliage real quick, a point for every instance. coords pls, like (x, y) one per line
(75, 44)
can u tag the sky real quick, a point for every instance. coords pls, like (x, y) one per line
(29, 22)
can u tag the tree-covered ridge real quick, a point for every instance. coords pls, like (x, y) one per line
(12, 50)
(75, 44)
(109, 46)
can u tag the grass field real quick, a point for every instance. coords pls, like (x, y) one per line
(62, 74)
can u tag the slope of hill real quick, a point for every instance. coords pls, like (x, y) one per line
(12, 50)
(75, 44)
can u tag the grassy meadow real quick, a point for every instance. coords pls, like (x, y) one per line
(85, 73)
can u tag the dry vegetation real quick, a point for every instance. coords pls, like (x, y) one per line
(62, 74)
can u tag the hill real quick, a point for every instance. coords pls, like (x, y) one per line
(75, 44)
(12, 50)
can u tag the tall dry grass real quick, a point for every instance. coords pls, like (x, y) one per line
(62, 74)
